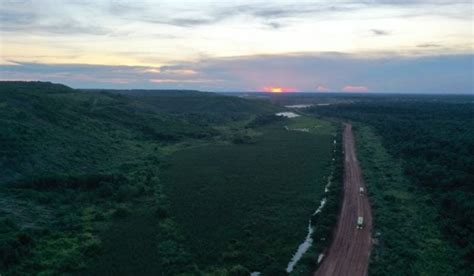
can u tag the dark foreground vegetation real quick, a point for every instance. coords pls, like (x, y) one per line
(137, 182)
(245, 207)
(325, 221)
(79, 172)
(416, 153)
(134, 182)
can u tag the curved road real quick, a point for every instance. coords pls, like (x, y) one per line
(350, 249)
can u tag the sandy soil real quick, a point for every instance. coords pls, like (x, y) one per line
(350, 249)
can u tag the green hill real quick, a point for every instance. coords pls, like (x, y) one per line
(47, 128)
(73, 161)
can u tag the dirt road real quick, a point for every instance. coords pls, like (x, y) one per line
(350, 249)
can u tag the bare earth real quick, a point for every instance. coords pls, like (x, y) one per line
(350, 249)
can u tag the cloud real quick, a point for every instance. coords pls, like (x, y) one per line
(205, 14)
(274, 25)
(321, 88)
(181, 81)
(166, 31)
(124, 8)
(22, 16)
(282, 11)
(419, 2)
(181, 22)
(355, 88)
(354, 73)
(9, 18)
(180, 70)
(379, 32)
(428, 45)
(69, 27)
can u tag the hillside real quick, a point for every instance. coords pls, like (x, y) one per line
(50, 127)
(72, 161)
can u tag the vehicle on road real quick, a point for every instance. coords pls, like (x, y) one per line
(361, 191)
(360, 222)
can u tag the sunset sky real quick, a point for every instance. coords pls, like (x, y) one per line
(353, 46)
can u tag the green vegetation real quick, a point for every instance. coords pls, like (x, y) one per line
(417, 162)
(80, 168)
(246, 206)
(325, 221)
(200, 108)
(153, 182)
(408, 238)
(192, 183)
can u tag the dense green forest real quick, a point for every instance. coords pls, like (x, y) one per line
(432, 138)
(247, 205)
(99, 182)
(79, 167)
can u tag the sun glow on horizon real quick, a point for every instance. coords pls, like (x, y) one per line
(278, 89)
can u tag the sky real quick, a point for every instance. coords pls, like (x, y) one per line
(395, 46)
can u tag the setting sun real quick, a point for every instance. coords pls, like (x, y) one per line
(277, 89)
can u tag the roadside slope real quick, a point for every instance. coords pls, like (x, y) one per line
(350, 250)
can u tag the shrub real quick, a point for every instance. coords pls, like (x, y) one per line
(262, 120)
(242, 139)
(14, 246)
(161, 212)
(239, 270)
(121, 212)
(274, 270)
(92, 247)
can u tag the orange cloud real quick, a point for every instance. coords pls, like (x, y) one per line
(355, 88)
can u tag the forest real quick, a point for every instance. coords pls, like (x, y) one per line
(123, 182)
(78, 168)
(432, 137)
(92, 183)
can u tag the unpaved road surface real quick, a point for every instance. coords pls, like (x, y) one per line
(350, 249)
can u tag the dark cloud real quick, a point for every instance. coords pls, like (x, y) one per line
(428, 45)
(270, 13)
(177, 21)
(275, 11)
(379, 32)
(274, 25)
(189, 22)
(68, 27)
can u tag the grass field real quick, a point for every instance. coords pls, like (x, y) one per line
(246, 206)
